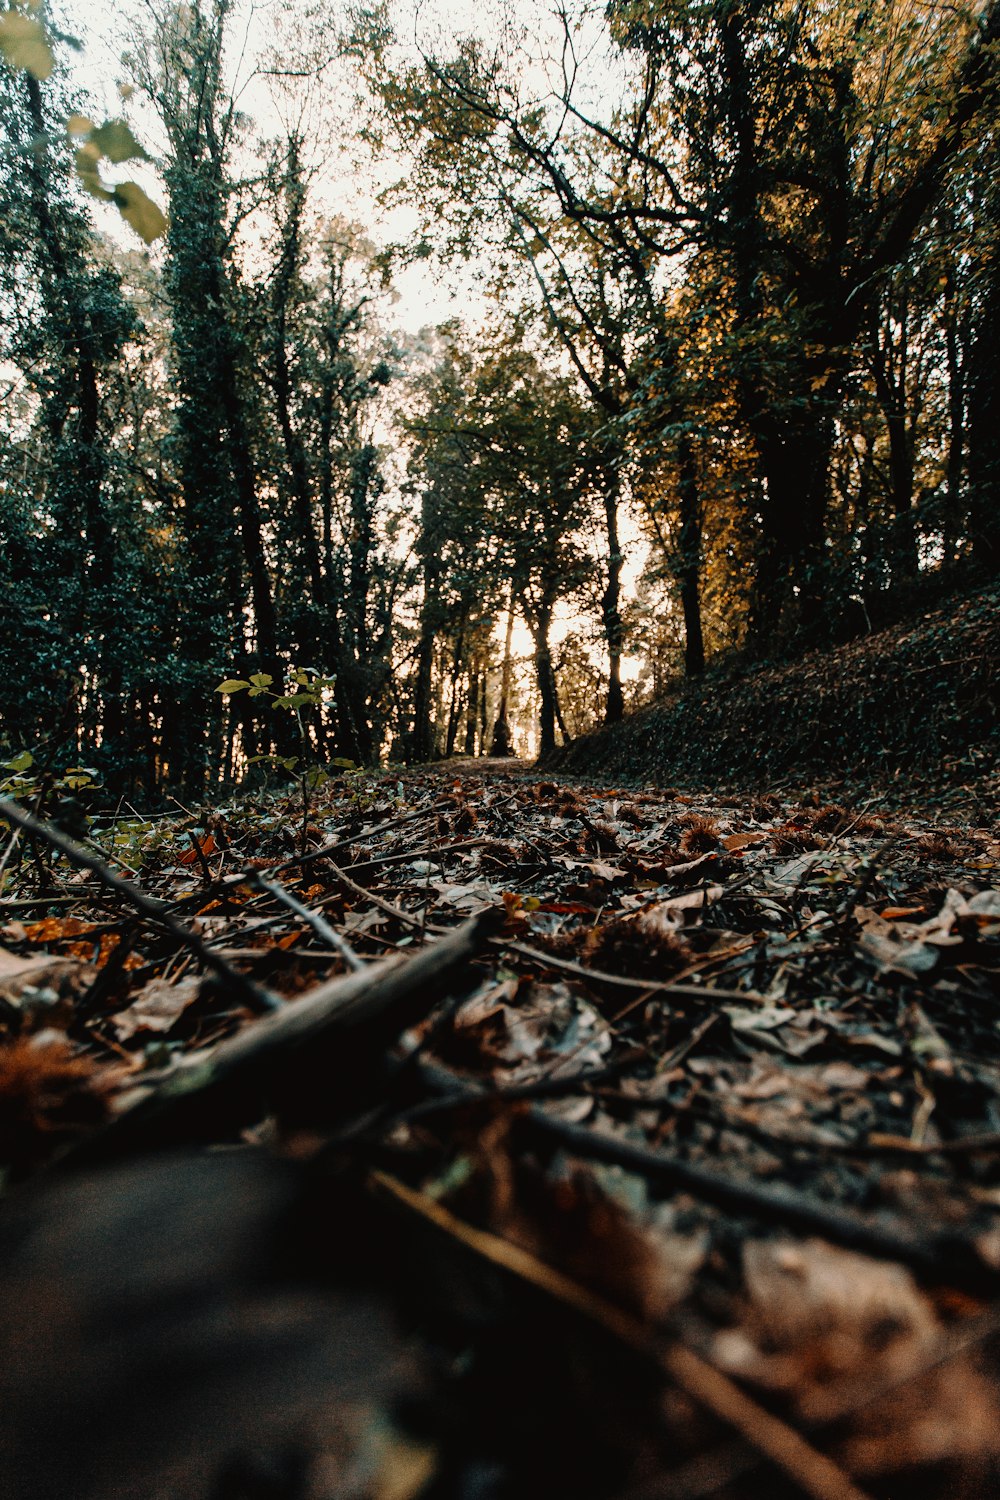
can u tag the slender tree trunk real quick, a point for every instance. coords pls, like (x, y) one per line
(689, 548)
(984, 423)
(472, 709)
(790, 587)
(891, 389)
(294, 448)
(423, 733)
(611, 600)
(502, 744)
(545, 676)
(954, 462)
(454, 712)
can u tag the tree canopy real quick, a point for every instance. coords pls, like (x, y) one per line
(723, 374)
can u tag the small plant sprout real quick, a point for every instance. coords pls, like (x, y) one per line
(306, 689)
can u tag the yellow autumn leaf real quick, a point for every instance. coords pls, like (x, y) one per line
(139, 210)
(24, 44)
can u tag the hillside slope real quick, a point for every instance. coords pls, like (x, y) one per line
(914, 705)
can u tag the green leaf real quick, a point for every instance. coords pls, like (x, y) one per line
(344, 765)
(24, 44)
(232, 685)
(115, 140)
(20, 762)
(261, 679)
(137, 209)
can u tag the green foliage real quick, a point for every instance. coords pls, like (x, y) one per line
(25, 46)
(29, 781)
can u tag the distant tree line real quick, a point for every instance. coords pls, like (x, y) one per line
(748, 307)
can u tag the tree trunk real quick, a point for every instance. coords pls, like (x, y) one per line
(502, 744)
(454, 713)
(954, 462)
(984, 424)
(423, 732)
(472, 709)
(611, 614)
(790, 588)
(540, 627)
(689, 549)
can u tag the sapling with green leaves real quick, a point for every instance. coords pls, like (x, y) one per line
(305, 689)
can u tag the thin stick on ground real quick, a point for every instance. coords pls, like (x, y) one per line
(226, 1087)
(251, 994)
(313, 919)
(815, 1475)
(948, 1260)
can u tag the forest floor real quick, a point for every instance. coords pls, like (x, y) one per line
(631, 1143)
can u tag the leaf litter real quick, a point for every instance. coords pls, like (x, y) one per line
(698, 1102)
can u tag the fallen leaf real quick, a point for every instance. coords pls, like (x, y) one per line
(158, 1007)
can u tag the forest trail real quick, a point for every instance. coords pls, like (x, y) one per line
(701, 1094)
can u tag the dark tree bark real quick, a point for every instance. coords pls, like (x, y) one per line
(690, 564)
(611, 613)
(984, 422)
(502, 743)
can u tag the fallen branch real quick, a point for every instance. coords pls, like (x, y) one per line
(253, 995)
(944, 1259)
(396, 912)
(225, 1088)
(648, 987)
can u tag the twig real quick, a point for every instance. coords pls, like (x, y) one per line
(650, 987)
(206, 873)
(390, 910)
(26, 903)
(315, 920)
(243, 877)
(816, 1475)
(254, 995)
(427, 851)
(946, 1259)
(227, 1085)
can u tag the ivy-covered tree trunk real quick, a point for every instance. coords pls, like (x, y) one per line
(540, 625)
(689, 549)
(984, 421)
(502, 742)
(611, 612)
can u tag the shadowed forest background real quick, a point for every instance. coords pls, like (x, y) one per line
(725, 378)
